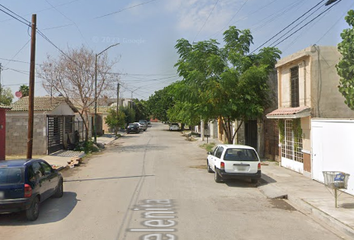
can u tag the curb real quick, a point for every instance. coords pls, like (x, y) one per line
(323, 216)
(273, 192)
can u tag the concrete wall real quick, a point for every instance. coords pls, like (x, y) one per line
(16, 134)
(2, 133)
(328, 102)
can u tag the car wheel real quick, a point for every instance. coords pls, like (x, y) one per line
(60, 190)
(208, 167)
(33, 212)
(217, 177)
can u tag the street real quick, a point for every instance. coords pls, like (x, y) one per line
(154, 185)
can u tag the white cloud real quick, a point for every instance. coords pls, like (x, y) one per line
(193, 14)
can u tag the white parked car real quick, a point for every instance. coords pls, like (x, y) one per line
(234, 162)
(174, 127)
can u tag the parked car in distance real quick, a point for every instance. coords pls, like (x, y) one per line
(24, 184)
(144, 122)
(133, 127)
(234, 162)
(143, 125)
(174, 127)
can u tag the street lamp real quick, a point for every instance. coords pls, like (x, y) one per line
(94, 118)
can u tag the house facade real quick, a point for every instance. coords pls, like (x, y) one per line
(53, 125)
(307, 91)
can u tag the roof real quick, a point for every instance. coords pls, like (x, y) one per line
(296, 112)
(236, 146)
(15, 162)
(46, 103)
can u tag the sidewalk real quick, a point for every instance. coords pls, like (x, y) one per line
(62, 158)
(308, 196)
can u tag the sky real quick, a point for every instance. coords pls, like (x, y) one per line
(147, 31)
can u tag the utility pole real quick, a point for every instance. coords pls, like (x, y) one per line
(31, 87)
(117, 106)
(118, 85)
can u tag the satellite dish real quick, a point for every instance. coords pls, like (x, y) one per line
(18, 94)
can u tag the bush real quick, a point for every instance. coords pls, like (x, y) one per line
(87, 147)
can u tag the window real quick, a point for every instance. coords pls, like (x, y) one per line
(37, 169)
(219, 152)
(235, 154)
(47, 169)
(68, 124)
(294, 79)
(291, 149)
(10, 175)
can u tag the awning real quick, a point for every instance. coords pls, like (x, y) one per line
(282, 113)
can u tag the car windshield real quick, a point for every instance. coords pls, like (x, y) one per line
(132, 125)
(236, 154)
(11, 175)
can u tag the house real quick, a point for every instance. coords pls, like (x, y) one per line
(308, 93)
(53, 125)
(3, 110)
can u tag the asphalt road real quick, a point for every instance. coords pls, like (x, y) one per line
(154, 185)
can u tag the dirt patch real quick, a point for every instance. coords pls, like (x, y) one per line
(198, 167)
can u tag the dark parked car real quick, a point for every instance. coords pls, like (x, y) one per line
(133, 127)
(24, 184)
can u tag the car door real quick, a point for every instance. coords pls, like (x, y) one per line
(39, 180)
(211, 157)
(217, 157)
(52, 178)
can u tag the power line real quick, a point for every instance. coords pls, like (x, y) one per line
(123, 9)
(15, 16)
(313, 19)
(212, 10)
(287, 26)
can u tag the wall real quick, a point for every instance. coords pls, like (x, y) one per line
(2, 133)
(325, 81)
(332, 144)
(16, 134)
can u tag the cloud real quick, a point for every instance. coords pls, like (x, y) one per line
(193, 14)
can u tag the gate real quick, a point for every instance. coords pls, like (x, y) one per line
(55, 134)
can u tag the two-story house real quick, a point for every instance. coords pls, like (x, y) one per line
(307, 90)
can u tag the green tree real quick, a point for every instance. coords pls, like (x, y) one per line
(6, 96)
(129, 114)
(141, 110)
(24, 89)
(115, 122)
(345, 67)
(226, 83)
(160, 102)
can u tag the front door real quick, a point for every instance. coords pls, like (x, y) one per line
(251, 133)
(55, 134)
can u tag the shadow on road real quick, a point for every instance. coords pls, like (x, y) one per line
(51, 210)
(140, 148)
(105, 178)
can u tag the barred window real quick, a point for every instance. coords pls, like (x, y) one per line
(294, 78)
(290, 148)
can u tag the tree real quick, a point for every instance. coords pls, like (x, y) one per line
(24, 89)
(141, 110)
(73, 76)
(345, 67)
(6, 96)
(115, 122)
(225, 83)
(160, 102)
(129, 114)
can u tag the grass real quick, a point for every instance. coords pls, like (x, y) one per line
(208, 146)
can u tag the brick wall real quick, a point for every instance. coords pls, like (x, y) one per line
(16, 134)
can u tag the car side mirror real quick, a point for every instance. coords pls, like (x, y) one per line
(210, 153)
